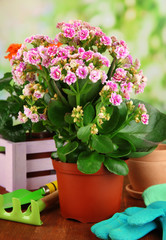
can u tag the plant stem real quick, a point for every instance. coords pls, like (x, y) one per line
(73, 89)
(78, 94)
(122, 126)
(110, 71)
(56, 89)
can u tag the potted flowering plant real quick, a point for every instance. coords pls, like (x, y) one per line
(84, 97)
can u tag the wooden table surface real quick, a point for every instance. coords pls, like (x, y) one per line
(56, 227)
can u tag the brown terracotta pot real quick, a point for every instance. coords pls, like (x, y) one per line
(148, 170)
(87, 197)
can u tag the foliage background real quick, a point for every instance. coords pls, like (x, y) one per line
(142, 24)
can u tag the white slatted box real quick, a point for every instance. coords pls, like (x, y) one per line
(22, 167)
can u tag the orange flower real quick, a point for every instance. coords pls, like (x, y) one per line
(53, 44)
(12, 49)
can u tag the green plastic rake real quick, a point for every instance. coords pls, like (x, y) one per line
(32, 214)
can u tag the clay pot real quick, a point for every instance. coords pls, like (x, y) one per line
(87, 197)
(148, 170)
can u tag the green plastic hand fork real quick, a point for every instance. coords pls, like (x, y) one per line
(32, 214)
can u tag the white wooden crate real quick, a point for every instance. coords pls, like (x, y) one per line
(22, 167)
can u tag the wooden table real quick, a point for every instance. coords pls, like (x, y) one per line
(57, 228)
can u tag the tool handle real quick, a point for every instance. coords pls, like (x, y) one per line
(48, 201)
(50, 188)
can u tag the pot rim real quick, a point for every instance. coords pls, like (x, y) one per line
(71, 168)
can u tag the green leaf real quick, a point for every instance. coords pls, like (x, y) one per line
(5, 81)
(124, 146)
(109, 126)
(68, 91)
(58, 141)
(102, 144)
(122, 108)
(144, 137)
(56, 113)
(54, 155)
(38, 127)
(66, 149)
(47, 98)
(84, 133)
(14, 133)
(68, 118)
(89, 114)
(116, 166)
(89, 162)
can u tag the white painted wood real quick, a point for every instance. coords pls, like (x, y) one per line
(14, 165)
(40, 146)
(41, 164)
(37, 182)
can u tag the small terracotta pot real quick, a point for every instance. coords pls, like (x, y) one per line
(148, 170)
(87, 197)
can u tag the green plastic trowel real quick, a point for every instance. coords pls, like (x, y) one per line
(25, 196)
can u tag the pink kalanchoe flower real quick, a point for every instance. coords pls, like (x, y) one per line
(119, 75)
(106, 40)
(82, 72)
(37, 94)
(27, 112)
(22, 117)
(87, 55)
(142, 107)
(113, 86)
(126, 87)
(95, 75)
(34, 117)
(55, 73)
(105, 61)
(115, 99)
(52, 51)
(103, 77)
(81, 50)
(30, 77)
(27, 91)
(43, 51)
(43, 116)
(32, 57)
(83, 34)
(46, 62)
(137, 64)
(145, 118)
(69, 32)
(63, 53)
(121, 52)
(70, 78)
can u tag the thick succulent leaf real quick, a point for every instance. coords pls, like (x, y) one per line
(84, 133)
(89, 114)
(109, 126)
(102, 143)
(89, 162)
(145, 137)
(116, 165)
(56, 113)
(66, 149)
(5, 81)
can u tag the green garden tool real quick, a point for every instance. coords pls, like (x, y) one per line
(26, 196)
(32, 214)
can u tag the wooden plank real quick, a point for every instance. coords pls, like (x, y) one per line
(40, 146)
(35, 183)
(40, 164)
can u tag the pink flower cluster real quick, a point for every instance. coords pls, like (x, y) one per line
(32, 114)
(143, 113)
(79, 33)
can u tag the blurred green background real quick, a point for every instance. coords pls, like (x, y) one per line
(142, 24)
